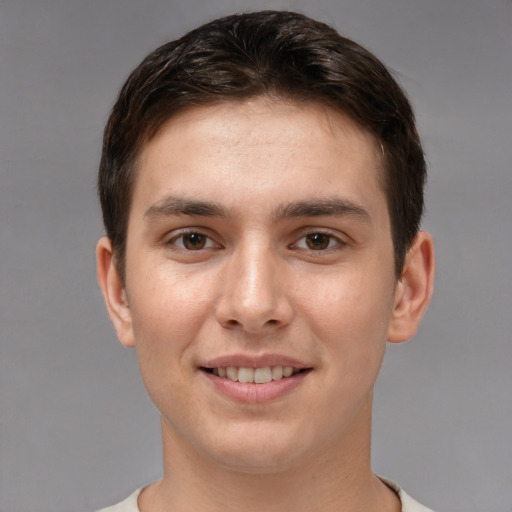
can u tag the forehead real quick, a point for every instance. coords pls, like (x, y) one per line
(256, 147)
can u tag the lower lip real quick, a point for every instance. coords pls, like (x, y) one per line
(256, 393)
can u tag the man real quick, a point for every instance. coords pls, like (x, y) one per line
(262, 188)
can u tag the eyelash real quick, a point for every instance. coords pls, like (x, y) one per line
(208, 241)
(333, 242)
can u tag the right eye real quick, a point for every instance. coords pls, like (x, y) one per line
(192, 241)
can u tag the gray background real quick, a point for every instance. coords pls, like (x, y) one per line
(76, 428)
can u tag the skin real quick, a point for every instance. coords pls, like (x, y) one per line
(260, 229)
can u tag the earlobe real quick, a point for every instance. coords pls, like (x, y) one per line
(414, 289)
(114, 292)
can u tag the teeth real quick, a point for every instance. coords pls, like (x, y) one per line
(255, 375)
(287, 371)
(277, 372)
(262, 375)
(232, 373)
(245, 375)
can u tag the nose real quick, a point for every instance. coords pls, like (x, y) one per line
(253, 294)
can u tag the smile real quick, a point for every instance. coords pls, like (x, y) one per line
(261, 375)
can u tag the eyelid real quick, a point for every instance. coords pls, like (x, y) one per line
(338, 240)
(171, 238)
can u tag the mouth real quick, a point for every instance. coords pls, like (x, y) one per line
(262, 375)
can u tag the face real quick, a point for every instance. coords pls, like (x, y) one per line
(260, 287)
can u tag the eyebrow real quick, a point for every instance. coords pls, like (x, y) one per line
(173, 205)
(335, 206)
(320, 207)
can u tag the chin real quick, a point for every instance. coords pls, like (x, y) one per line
(259, 454)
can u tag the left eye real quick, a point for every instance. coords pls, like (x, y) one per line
(317, 242)
(192, 241)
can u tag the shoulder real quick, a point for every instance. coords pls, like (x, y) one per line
(408, 503)
(127, 505)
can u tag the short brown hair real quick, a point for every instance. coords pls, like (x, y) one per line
(284, 55)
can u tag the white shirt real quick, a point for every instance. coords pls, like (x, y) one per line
(408, 504)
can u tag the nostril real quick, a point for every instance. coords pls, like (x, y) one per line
(232, 324)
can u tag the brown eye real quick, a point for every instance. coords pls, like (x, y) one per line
(194, 241)
(318, 241)
(191, 241)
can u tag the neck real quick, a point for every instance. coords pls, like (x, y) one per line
(337, 478)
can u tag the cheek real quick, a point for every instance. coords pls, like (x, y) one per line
(168, 304)
(163, 334)
(343, 299)
(166, 317)
(349, 318)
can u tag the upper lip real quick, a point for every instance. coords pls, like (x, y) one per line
(253, 361)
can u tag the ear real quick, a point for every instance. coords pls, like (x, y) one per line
(413, 290)
(114, 292)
